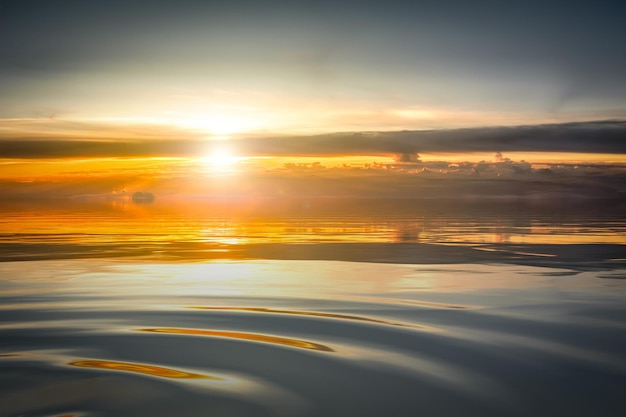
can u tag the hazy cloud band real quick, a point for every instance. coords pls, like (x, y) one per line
(608, 136)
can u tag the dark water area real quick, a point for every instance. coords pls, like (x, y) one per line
(311, 308)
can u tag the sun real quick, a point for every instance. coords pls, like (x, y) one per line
(221, 159)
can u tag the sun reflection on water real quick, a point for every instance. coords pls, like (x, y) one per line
(236, 221)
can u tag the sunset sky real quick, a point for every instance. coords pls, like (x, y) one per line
(97, 97)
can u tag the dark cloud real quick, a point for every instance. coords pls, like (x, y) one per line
(408, 157)
(591, 137)
(96, 148)
(485, 49)
(607, 136)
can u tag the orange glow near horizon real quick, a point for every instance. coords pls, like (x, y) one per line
(530, 157)
(222, 157)
(208, 154)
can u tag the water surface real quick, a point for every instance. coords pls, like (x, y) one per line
(309, 309)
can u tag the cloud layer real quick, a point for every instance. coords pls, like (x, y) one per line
(607, 136)
(502, 179)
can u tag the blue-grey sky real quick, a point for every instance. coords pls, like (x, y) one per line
(313, 66)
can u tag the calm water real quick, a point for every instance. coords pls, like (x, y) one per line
(311, 308)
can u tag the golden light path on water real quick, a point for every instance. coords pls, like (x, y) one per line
(140, 368)
(244, 336)
(237, 221)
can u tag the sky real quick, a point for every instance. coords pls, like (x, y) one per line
(399, 82)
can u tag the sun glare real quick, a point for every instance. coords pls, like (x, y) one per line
(218, 124)
(221, 159)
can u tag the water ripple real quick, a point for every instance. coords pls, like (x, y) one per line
(315, 314)
(243, 336)
(261, 339)
(140, 369)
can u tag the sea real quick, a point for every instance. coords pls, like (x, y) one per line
(312, 307)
